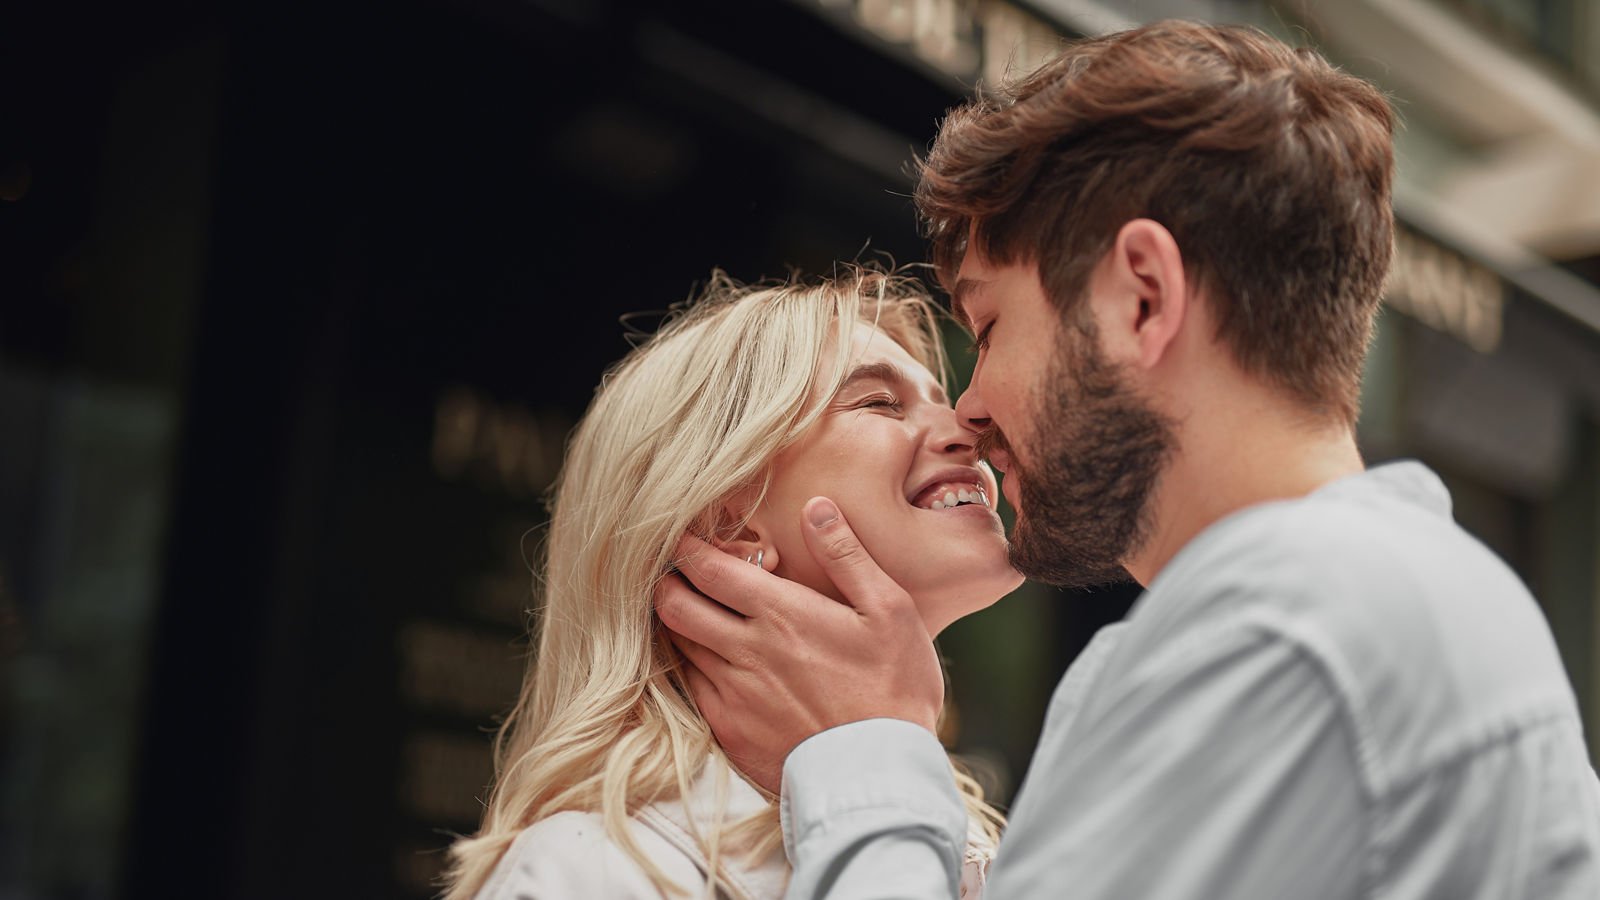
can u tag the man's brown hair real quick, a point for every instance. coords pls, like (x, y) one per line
(1270, 167)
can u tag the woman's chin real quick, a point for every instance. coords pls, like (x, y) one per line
(951, 602)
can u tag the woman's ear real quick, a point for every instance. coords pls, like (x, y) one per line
(752, 541)
(750, 546)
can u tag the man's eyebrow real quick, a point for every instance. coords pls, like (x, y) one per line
(965, 287)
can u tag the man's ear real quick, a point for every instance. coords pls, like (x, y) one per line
(1144, 294)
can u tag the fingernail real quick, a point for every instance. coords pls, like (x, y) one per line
(822, 512)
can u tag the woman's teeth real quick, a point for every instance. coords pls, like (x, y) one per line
(959, 497)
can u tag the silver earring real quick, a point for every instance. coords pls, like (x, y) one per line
(760, 554)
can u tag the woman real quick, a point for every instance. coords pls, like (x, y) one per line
(743, 406)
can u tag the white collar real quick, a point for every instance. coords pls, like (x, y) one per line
(675, 821)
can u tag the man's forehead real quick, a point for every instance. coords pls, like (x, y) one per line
(982, 278)
(968, 287)
(960, 296)
(972, 277)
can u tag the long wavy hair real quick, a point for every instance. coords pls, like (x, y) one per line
(682, 426)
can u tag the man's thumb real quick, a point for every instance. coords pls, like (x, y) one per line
(835, 547)
(821, 512)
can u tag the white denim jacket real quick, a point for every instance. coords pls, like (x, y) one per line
(570, 855)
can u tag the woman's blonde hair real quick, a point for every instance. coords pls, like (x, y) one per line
(685, 425)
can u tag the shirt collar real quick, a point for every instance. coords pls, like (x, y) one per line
(1406, 480)
(680, 820)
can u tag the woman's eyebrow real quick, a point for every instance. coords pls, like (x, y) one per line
(878, 371)
(888, 373)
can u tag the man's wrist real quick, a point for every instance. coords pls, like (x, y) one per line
(886, 765)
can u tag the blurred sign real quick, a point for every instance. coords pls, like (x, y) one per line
(965, 39)
(462, 671)
(508, 447)
(1446, 291)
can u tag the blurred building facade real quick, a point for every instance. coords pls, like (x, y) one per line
(299, 301)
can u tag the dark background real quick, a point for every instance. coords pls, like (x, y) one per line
(299, 301)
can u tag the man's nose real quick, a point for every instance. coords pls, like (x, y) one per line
(950, 434)
(970, 411)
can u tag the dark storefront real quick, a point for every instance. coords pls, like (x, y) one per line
(300, 301)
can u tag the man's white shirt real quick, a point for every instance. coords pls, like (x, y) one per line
(1342, 695)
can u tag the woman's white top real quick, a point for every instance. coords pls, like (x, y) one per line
(570, 855)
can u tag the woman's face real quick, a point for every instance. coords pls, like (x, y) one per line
(891, 453)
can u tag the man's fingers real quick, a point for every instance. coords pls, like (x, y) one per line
(724, 578)
(700, 656)
(837, 549)
(686, 612)
(724, 722)
(705, 694)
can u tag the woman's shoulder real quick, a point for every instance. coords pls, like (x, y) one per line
(570, 854)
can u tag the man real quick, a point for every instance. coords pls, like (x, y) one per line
(1170, 244)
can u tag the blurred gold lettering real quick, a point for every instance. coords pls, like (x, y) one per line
(458, 670)
(1014, 43)
(965, 39)
(444, 775)
(1446, 291)
(502, 444)
(892, 20)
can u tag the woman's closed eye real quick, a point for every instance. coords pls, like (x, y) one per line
(880, 401)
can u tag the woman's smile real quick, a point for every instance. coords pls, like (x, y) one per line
(888, 444)
(952, 487)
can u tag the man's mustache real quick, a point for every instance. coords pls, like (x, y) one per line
(989, 440)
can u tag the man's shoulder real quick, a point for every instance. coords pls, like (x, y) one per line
(1342, 553)
(1424, 634)
(1372, 583)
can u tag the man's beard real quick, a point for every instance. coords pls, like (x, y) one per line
(1084, 490)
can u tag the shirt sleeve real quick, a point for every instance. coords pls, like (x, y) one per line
(871, 811)
(1229, 772)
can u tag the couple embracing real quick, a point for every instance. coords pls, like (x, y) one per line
(1170, 245)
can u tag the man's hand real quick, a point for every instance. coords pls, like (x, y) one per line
(778, 662)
